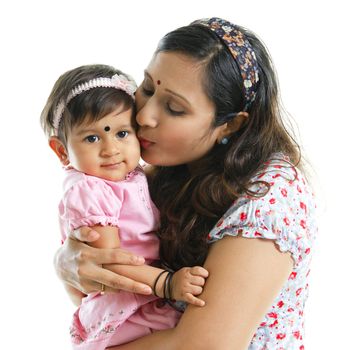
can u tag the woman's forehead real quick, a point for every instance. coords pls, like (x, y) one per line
(174, 64)
(178, 73)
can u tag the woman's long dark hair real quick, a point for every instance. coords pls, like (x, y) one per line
(191, 203)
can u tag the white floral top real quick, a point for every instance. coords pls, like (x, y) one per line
(286, 214)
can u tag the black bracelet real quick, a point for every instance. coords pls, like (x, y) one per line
(170, 285)
(157, 280)
(167, 286)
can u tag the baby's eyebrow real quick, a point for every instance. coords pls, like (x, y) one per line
(126, 126)
(86, 131)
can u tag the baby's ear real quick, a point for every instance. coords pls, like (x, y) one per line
(60, 149)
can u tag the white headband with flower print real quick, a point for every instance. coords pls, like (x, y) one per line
(120, 82)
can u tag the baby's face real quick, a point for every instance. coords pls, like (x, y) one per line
(107, 148)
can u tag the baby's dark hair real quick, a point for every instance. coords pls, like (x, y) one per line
(90, 105)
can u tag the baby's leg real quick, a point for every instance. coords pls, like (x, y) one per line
(150, 317)
(128, 332)
(99, 316)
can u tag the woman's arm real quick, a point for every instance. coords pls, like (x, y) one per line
(186, 282)
(245, 277)
(74, 294)
(80, 265)
(125, 275)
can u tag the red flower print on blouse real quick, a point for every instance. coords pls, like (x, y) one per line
(219, 224)
(273, 324)
(288, 204)
(298, 291)
(280, 304)
(303, 206)
(292, 275)
(303, 224)
(272, 200)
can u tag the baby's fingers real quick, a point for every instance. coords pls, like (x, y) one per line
(199, 271)
(197, 281)
(191, 299)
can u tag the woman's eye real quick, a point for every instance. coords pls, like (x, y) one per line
(174, 111)
(92, 138)
(122, 134)
(147, 92)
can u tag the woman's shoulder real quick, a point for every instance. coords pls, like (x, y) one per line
(280, 205)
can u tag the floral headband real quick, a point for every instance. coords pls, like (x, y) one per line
(241, 50)
(120, 82)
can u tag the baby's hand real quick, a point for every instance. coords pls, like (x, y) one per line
(188, 282)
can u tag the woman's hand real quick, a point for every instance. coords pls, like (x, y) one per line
(80, 265)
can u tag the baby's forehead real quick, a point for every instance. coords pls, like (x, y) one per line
(118, 117)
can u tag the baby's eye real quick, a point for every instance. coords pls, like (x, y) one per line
(122, 134)
(92, 138)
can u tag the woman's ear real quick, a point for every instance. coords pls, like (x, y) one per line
(60, 149)
(232, 126)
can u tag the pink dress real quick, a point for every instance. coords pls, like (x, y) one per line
(115, 318)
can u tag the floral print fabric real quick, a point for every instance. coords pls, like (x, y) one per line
(285, 214)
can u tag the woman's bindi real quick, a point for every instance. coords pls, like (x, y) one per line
(107, 128)
(158, 82)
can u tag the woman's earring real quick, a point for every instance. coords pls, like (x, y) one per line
(224, 141)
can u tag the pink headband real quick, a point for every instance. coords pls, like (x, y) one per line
(120, 82)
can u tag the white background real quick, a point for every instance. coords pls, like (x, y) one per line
(313, 46)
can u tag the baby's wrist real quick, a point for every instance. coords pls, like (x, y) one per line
(158, 286)
(162, 287)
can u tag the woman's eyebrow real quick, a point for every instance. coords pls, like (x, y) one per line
(146, 73)
(178, 95)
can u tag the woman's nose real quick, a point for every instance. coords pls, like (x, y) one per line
(147, 116)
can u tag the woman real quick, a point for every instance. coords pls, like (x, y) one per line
(229, 190)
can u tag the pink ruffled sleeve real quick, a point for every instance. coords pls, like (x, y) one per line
(90, 202)
(286, 214)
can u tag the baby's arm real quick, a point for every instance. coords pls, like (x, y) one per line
(109, 237)
(186, 283)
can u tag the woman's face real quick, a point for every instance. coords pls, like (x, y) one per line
(174, 114)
